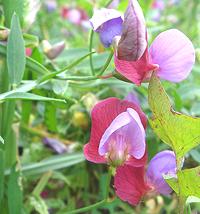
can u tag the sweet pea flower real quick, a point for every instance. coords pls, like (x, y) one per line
(132, 183)
(171, 55)
(108, 23)
(117, 134)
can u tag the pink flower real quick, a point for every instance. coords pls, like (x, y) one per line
(132, 183)
(117, 134)
(74, 15)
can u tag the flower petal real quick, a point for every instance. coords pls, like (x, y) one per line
(135, 71)
(163, 163)
(129, 184)
(133, 43)
(175, 55)
(129, 128)
(109, 30)
(102, 116)
(103, 15)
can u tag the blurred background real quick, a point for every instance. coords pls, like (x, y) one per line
(56, 133)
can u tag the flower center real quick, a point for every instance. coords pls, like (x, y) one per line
(118, 151)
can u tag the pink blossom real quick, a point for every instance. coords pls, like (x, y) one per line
(117, 134)
(171, 55)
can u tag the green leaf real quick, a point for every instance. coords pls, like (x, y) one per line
(32, 64)
(14, 193)
(16, 58)
(38, 204)
(189, 182)
(29, 96)
(1, 140)
(11, 6)
(54, 163)
(50, 117)
(179, 131)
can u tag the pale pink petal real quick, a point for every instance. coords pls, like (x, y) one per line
(127, 131)
(129, 184)
(102, 116)
(175, 55)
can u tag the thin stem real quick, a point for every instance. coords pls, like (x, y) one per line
(90, 50)
(78, 78)
(109, 176)
(181, 200)
(85, 209)
(103, 69)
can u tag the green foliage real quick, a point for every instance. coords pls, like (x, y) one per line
(14, 193)
(11, 6)
(54, 163)
(15, 52)
(179, 131)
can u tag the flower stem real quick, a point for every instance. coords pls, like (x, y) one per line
(181, 200)
(90, 49)
(106, 64)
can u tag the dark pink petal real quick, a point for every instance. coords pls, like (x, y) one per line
(175, 55)
(133, 43)
(137, 162)
(129, 184)
(102, 116)
(135, 71)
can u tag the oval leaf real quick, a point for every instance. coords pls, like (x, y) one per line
(16, 58)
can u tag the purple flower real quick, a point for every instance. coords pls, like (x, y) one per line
(162, 163)
(55, 145)
(133, 98)
(108, 23)
(51, 5)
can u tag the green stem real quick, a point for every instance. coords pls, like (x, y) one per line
(100, 203)
(78, 78)
(106, 64)
(85, 209)
(90, 50)
(181, 200)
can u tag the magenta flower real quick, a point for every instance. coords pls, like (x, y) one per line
(108, 23)
(132, 184)
(117, 134)
(171, 55)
